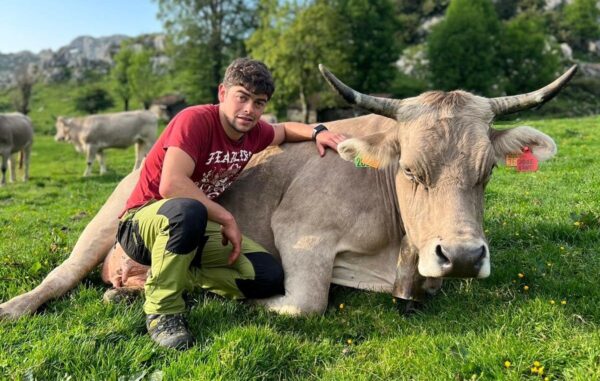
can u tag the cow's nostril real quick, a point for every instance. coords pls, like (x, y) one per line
(444, 261)
(481, 254)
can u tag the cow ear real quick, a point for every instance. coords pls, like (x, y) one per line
(512, 141)
(379, 149)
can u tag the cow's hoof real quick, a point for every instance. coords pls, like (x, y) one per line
(408, 307)
(121, 295)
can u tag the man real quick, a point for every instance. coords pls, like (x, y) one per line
(170, 220)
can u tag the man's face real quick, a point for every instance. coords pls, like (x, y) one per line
(240, 108)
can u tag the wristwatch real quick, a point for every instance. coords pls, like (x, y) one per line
(317, 130)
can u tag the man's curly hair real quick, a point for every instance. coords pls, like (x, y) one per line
(253, 75)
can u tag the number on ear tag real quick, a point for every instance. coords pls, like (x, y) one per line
(527, 162)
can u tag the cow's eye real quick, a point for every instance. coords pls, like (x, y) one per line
(409, 175)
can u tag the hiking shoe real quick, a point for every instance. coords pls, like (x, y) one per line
(122, 295)
(169, 331)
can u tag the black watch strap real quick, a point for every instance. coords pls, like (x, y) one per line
(317, 130)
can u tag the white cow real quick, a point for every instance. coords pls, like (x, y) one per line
(16, 134)
(93, 133)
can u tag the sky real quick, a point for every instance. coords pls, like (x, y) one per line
(35, 25)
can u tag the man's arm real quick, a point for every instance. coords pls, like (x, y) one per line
(176, 181)
(297, 132)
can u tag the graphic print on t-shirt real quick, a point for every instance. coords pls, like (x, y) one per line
(225, 166)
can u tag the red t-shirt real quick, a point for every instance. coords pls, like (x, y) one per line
(198, 131)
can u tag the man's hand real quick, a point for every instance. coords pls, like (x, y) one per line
(230, 232)
(328, 139)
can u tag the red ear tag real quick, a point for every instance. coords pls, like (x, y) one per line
(527, 162)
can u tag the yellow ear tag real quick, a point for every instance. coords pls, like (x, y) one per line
(361, 162)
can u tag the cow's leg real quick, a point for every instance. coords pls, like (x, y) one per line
(308, 266)
(3, 167)
(100, 158)
(91, 248)
(26, 156)
(141, 150)
(13, 167)
(90, 153)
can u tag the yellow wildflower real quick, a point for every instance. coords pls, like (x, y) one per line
(577, 223)
(536, 364)
(552, 302)
(541, 371)
(349, 341)
(507, 364)
(563, 302)
(534, 369)
(525, 288)
(521, 275)
(341, 306)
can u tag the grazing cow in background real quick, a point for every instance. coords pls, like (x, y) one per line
(401, 228)
(92, 134)
(16, 135)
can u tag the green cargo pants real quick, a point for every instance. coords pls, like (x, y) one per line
(185, 252)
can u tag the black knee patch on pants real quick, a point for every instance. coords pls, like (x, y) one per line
(128, 236)
(268, 278)
(187, 224)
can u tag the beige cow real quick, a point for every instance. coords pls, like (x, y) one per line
(400, 229)
(92, 134)
(16, 135)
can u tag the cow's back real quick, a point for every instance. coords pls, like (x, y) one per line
(324, 196)
(118, 130)
(16, 131)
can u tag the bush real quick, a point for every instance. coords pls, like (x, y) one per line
(462, 49)
(93, 100)
(528, 59)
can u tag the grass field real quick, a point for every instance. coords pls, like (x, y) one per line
(541, 303)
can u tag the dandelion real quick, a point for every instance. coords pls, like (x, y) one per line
(341, 306)
(552, 302)
(546, 378)
(541, 370)
(521, 275)
(349, 341)
(562, 247)
(577, 223)
(536, 364)
(507, 364)
(563, 302)
(526, 288)
(534, 369)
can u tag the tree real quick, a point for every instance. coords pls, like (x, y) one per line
(205, 35)
(292, 44)
(145, 84)
(120, 74)
(92, 100)
(580, 23)
(25, 79)
(462, 49)
(372, 43)
(528, 58)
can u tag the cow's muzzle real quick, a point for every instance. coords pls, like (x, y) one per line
(467, 260)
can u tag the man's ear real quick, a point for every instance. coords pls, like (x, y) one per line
(512, 141)
(221, 92)
(379, 149)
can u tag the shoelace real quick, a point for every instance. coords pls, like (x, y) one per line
(171, 324)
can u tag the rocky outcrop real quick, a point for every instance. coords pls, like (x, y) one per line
(75, 61)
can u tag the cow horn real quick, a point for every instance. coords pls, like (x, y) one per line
(514, 103)
(381, 106)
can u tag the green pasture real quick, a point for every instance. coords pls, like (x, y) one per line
(544, 226)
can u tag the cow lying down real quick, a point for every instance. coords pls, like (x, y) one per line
(399, 229)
